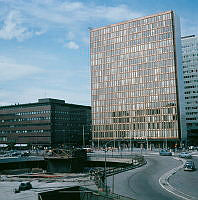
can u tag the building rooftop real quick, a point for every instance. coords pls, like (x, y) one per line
(188, 36)
(41, 102)
(50, 100)
(130, 20)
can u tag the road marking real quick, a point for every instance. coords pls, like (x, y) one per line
(156, 153)
(163, 181)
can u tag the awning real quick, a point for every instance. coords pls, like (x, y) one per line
(3, 145)
(20, 145)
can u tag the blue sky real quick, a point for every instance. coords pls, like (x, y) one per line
(44, 44)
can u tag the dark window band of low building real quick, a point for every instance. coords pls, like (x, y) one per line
(48, 122)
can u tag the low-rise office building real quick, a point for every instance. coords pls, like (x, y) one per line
(50, 122)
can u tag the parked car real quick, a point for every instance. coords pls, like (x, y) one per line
(88, 150)
(189, 166)
(185, 155)
(191, 148)
(25, 154)
(165, 152)
(25, 186)
(196, 148)
(15, 154)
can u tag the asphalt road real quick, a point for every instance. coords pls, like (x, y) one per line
(186, 181)
(143, 183)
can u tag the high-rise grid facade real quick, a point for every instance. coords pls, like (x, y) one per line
(136, 81)
(190, 74)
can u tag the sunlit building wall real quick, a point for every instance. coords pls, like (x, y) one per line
(136, 80)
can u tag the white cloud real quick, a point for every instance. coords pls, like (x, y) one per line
(112, 13)
(27, 18)
(13, 28)
(70, 35)
(82, 12)
(72, 45)
(40, 32)
(71, 6)
(10, 70)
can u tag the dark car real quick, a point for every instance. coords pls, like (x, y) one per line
(25, 154)
(165, 152)
(185, 155)
(15, 154)
(25, 186)
(189, 166)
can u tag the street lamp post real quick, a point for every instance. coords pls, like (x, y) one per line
(105, 168)
(163, 135)
(165, 142)
(147, 141)
(130, 141)
(98, 142)
(83, 136)
(105, 173)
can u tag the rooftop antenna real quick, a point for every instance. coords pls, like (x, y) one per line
(45, 93)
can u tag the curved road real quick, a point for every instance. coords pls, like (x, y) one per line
(186, 181)
(143, 183)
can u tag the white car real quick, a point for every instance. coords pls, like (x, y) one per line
(191, 147)
(185, 155)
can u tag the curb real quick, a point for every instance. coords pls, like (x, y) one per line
(164, 182)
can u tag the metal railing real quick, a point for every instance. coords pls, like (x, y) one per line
(100, 175)
(91, 194)
(136, 161)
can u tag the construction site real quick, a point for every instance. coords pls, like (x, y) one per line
(64, 174)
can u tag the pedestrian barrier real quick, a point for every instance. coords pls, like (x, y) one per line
(100, 195)
(99, 175)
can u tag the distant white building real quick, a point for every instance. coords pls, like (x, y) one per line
(190, 75)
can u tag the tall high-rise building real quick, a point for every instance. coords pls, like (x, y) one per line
(190, 73)
(136, 81)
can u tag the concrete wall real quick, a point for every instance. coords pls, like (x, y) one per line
(65, 165)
